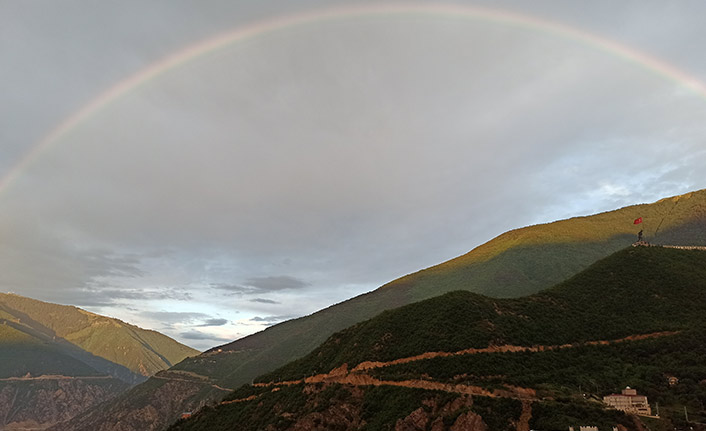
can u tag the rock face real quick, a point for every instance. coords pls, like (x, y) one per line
(39, 403)
(420, 419)
(416, 421)
(469, 422)
(170, 397)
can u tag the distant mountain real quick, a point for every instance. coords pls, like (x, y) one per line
(143, 352)
(57, 361)
(519, 262)
(467, 361)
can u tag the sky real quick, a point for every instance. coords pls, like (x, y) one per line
(208, 169)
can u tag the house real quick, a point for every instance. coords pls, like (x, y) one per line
(629, 402)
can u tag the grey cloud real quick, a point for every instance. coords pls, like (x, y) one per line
(270, 320)
(264, 301)
(198, 335)
(213, 322)
(234, 288)
(274, 283)
(112, 296)
(263, 285)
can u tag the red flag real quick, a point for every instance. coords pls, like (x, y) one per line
(637, 220)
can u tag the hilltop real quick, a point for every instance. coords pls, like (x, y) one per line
(519, 262)
(57, 361)
(633, 318)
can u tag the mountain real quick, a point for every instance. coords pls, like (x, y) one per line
(57, 361)
(516, 263)
(143, 352)
(468, 361)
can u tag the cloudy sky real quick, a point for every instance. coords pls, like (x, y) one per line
(207, 169)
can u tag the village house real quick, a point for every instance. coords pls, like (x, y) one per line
(629, 402)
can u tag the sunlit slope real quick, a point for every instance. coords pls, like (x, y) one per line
(141, 351)
(629, 319)
(526, 260)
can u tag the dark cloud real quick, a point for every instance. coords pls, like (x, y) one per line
(232, 288)
(274, 283)
(264, 301)
(213, 322)
(267, 284)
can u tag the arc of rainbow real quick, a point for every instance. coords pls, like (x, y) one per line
(197, 50)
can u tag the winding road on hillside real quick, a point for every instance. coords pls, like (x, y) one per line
(358, 376)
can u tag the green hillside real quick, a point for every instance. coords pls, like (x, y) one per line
(141, 351)
(633, 318)
(519, 262)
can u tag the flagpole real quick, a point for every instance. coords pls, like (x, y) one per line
(639, 234)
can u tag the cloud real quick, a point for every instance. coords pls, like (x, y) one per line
(266, 284)
(198, 335)
(275, 283)
(173, 317)
(264, 301)
(233, 288)
(97, 296)
(213, 322)
(271, 320)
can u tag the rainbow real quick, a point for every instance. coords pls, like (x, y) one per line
(195, 51)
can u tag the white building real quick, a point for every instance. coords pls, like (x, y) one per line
(629, 402)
